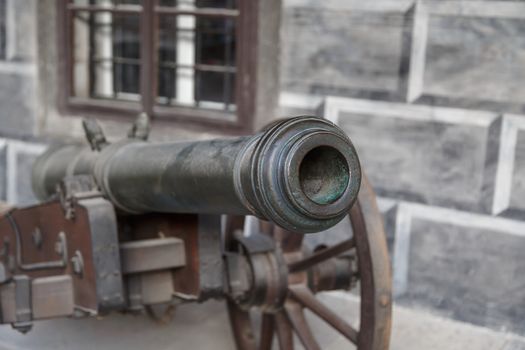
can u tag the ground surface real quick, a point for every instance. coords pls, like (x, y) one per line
(206, 327)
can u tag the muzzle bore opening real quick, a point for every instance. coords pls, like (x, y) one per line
(324, 175)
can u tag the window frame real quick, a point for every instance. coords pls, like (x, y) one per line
(239, 121)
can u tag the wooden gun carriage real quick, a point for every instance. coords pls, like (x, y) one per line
(129, 225)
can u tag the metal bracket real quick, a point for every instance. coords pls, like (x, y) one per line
(62, 243)
(23, 315)
(74, 188)
(77, 261)
(256, 273)
(255, 243)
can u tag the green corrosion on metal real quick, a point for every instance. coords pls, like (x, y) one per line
(316, 175)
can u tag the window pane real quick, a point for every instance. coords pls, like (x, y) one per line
(225, 4)
(126, 54)
(215, 87)
(167, 52)
(216, 38)
(106, 55)
(197, 62)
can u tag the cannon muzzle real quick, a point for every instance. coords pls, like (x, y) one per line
(301, 173)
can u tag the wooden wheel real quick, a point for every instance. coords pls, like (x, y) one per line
(364, 258)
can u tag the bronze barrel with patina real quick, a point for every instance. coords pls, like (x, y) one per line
(301, 173)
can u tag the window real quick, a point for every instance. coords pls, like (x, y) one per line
(174, 59)
(2, 30)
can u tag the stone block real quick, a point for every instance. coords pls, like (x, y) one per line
(509, 197)
(439, 156)
(21, 30)
(345, 48)
(292, 104)
(17, 98)
(20, 159)
(468, 54)
(517, 199)
(463, 265)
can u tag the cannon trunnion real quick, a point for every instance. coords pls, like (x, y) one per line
(132, 225)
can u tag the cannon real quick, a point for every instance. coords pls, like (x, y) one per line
(129, 225)
(287, 174)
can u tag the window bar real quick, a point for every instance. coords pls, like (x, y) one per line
(93, 8)
(104, 49)
(91, 55)
(154, 56)
(201, 67)
(177, 31)
(78, 82)
(148, 45)
(166, 74)
(198, 53)
(227, 62)
(186, 9)
(186, 56)
(171, 83)
(166, 33)
(117, 67)
(2, 29)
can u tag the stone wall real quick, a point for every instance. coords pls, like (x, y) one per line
(18, 71)
(431, 94)
(19, 143)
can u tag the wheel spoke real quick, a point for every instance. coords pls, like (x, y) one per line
(304, 296)
(267, 330)
(321, 256)
(299, 324)
(241, 327)
(284, 331)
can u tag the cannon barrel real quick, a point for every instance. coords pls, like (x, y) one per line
(302, 173)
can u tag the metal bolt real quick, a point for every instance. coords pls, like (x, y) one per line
(37, 238)
(78, 263)
(59, 248)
